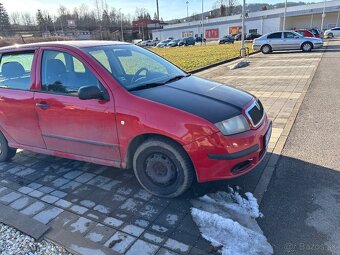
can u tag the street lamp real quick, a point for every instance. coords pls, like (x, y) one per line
(243, 49)
(323, 15)
(121, 24)
(202, 25)
(284, 17)
(187, 2)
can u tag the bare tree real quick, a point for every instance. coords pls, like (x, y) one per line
(27, 19)
(231, 6)
(15, 18)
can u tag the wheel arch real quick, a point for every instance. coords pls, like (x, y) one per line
(305, 43)
(267, 44)
(138, 140)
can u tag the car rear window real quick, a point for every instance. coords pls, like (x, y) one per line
(15, 70)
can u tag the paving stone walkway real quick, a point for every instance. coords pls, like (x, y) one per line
(107, 211)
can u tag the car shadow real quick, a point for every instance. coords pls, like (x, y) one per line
(300, 208)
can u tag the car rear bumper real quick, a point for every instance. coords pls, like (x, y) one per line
(220, 157)
(318, 45)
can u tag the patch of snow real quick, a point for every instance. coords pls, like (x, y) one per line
(228, 220)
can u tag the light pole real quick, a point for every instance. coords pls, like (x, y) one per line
(323, 15)
(157, 9)
(187, 2)
(121, 25)
(243, 49)
(202, 37)
(337, 20)
(284, 17)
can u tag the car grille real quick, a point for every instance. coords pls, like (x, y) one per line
(255, 113)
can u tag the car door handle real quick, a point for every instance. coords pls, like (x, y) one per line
(42, 105)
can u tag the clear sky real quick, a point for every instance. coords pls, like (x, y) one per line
(169, 9)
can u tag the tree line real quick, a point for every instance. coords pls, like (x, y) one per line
(84, 18)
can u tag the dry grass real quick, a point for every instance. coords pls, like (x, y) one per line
(194, 57)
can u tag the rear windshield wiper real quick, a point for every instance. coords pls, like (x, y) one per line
(156, 84)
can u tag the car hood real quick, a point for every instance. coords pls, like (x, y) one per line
(209, 100)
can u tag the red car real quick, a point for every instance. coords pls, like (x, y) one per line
(119, 105)
(305, 32)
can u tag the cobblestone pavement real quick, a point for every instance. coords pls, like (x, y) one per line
(107, 209)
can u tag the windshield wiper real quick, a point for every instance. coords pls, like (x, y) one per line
(156, 84)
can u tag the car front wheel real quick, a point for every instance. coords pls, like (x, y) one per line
(330, 35)
(6, 152)
(266, 49)
(163, 168)
(307, 47)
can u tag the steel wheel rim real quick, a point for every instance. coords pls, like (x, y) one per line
(160, 169)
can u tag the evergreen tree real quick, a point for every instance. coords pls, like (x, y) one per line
(106, 20)
(4, 21)
(40, 21)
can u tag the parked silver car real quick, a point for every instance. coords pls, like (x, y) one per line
(286, 40)
(333, 32)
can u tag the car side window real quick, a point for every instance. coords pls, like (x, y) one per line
(63, 73)
(289, 35)
(275, 36)
(15, 70)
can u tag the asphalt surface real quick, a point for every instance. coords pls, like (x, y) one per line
(302, 205)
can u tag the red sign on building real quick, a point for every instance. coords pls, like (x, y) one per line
(212, 33)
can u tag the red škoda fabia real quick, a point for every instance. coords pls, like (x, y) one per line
(116, 104)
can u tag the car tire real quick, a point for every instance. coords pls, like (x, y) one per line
(330, 35)
(6, 152)
(266, 49)
(163, 167)
(307, 47)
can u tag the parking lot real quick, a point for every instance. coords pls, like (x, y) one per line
(92, 209)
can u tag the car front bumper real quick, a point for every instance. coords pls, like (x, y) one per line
(256, 47)
(219, 157)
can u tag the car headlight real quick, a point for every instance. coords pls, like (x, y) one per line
(235, 125)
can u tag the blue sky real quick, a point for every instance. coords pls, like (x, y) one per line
(169, 9)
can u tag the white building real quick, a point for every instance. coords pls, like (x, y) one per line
(262, 22)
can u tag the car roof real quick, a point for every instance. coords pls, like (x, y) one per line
(76, 44)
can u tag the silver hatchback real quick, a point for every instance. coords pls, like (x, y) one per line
(286, 40)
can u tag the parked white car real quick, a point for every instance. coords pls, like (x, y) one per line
(333, 32)
(286, 40)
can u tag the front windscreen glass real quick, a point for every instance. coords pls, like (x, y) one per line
(134, 67)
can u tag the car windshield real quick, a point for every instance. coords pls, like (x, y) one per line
(134, 67)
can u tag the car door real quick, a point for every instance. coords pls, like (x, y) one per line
(275, 40)
(18, 119)
(69, 124)
(291, 41)
(336, 31)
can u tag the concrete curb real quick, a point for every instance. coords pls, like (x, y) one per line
(23, 223)
(268, 171)
(219, 63)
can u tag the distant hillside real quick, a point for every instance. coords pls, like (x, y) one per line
(215, 13)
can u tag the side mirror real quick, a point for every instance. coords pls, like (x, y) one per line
(90, 92)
